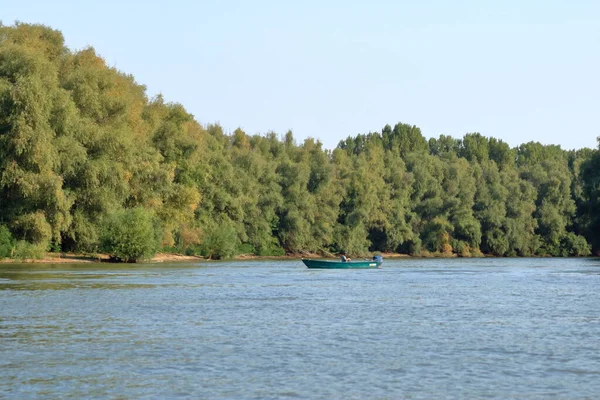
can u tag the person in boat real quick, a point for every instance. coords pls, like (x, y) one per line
(345, 257)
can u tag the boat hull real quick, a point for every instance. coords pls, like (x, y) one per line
(328, 264)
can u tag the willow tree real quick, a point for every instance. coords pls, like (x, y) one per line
(34, 111)
(490, 208)
(520, 223)
(325, 191)
(298, 211)
(427, 203)
(118, 167)
(261, 195)
(395, 229)
(459, 186)
(178, 139)
(547, 169)
(590, 204)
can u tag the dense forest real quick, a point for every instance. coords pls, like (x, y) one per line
(89, 163)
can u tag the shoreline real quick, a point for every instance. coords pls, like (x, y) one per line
(72, 258)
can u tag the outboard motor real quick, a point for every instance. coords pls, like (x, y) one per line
(378, 258)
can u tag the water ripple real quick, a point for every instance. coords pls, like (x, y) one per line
(419, 329)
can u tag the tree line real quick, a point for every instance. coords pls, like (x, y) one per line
(89, 163)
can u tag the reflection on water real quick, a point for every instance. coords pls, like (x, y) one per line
(493, 328)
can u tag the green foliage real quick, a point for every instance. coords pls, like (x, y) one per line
(130, 235)
(83, 234)
(34, 228)
(575, 245)
(444, 144)
(28, 251)
(589, 216)
(87, 160)
(271, 251)
(436, 235)
(220, 242)
(475, 148)
(7, 243)
(245, 248)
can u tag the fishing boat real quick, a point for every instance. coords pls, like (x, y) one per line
(331, 264)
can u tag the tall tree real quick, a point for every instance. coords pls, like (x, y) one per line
(33, 200)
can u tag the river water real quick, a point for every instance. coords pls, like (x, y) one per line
(415, 329)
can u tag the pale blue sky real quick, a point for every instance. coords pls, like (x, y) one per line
(515, 70)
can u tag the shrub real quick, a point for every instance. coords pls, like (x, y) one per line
(436, 235)
(83, 234)
(245, 248)
(29, 251)
(130, 236)
(462, 248)
(268, 246)
(575, 245)
(34, 228)
(7, 243)
(272, 251)
(221, 242)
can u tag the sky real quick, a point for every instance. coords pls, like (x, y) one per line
(518, 71)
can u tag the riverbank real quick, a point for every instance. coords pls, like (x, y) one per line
(72, 258)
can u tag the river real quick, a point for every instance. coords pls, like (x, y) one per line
(416, 329)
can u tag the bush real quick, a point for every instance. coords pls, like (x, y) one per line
(221, 242)
(130, 236)
(29, 251)
(83, 234)
(7, 243)
(245, 248)
(268, 246)
(34, 228)
(462, 248)
(436, 235)
(272, 251)
(415, 247)
(575, 245)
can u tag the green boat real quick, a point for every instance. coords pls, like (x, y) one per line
(331, 264)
